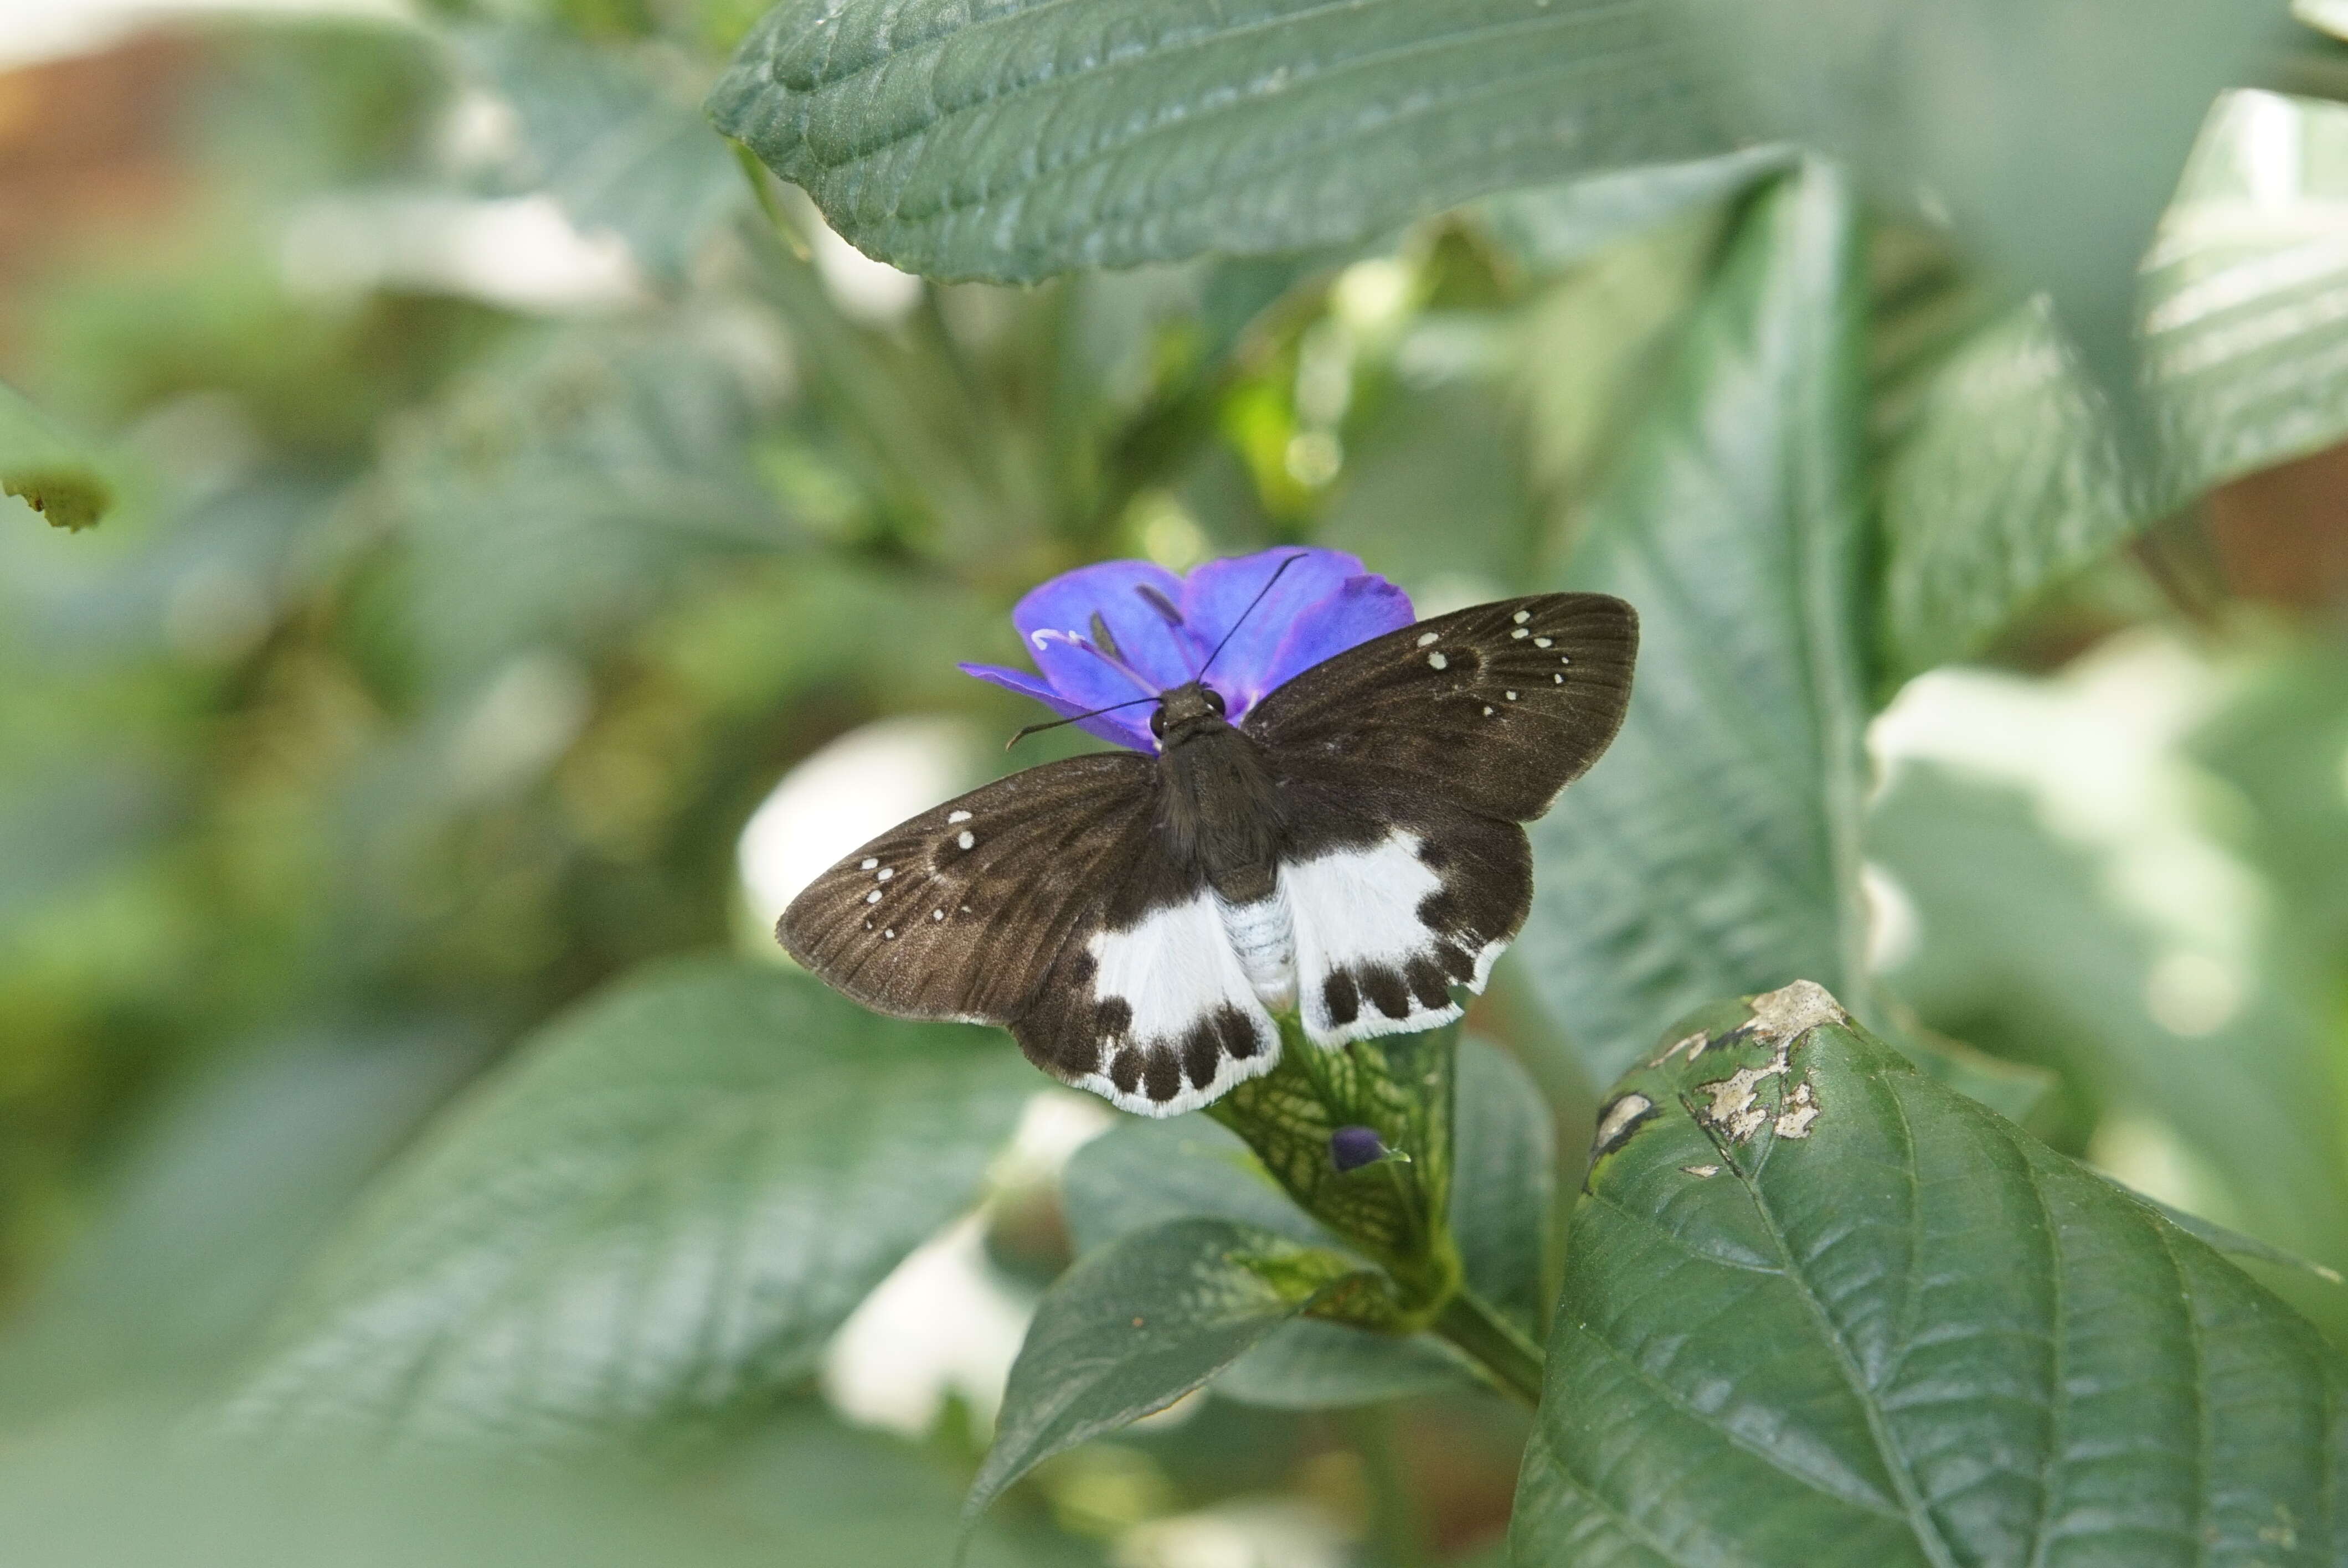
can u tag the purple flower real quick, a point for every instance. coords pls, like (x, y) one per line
(1126, 628)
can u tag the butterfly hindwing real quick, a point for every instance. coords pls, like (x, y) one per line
(1494, 708)
(1395, 896)
(1046, 903)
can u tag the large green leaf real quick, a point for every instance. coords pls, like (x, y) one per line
(2024, 950)
(2050, 135)
(663, 1207)
(1503, 1179)
(128, 1488)
(1714, 850)
(1835, 1314)
(1133, 1327)
(1144, 1173)
(215, 1206)
(2007, 477)
(51, 472)
(560, 486)
(1027, 137)
(617, 150)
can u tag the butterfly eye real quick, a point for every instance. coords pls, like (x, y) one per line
(1158, 723)
(1214, 698)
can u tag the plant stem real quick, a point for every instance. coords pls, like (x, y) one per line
(1496, 1345)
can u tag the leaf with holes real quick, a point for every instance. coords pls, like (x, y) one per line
(1029, 136)
(1840, 1317)
(1714, 850)
(660, 1208)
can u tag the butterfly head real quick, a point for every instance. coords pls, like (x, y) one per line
(1185, 713)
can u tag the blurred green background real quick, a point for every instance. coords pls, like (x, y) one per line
(513, 494)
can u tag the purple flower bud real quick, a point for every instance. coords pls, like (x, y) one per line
(1351, 1148)
(1121, 630)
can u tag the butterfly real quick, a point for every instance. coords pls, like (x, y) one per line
(1350, 850)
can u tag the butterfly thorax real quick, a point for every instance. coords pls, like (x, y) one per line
(1219, 811)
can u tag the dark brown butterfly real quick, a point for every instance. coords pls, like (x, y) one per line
(1348, 850)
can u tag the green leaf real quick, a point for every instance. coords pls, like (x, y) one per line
(1310, 1365)
(1550, 226)
(51, 472)
(619, 150)
(216, 1207)
(127, 1486)
(1503, 1179)
(2050, 135)
(1836, 1314)
(559, 486)
(1030, 137)
(1399, 1086)
(1133, 1327)
(2007, 478)
(2223, 1238)
(1144, 1173)
(2024, 950)
(1715, 848)
(662, 1207)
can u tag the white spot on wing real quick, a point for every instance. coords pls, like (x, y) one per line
(873, 896)
(953, 816)
(966, 840)
(1511, 696)
(883, 874)
(867, 863)
(1520, 631)
(1542, 642)
(1426, 639)
(1522, 617)
(1438, 661)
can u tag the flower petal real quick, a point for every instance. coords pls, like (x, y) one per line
(1363, 607)
(1128, 727)
(1321, 605)
(1150, 656)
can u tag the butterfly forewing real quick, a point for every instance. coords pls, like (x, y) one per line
(1045, 902)
(1496, 708)
(958, 912)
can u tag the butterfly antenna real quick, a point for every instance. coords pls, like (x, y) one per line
(1234, 631)
(1072, 718)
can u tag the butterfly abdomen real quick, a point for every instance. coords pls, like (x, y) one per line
(1263, 935)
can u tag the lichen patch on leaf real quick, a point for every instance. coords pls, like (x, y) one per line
(1800, 1110)
(1621, 1114)
(1781, 1017)
(1795, 1010)
(1692, 1044)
